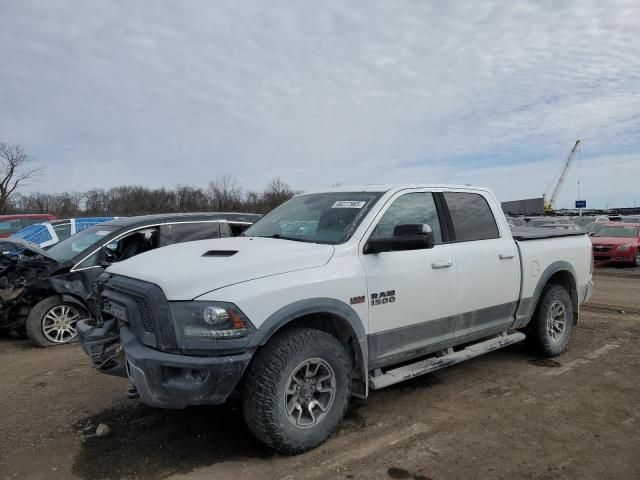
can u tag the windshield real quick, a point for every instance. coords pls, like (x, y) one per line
(617, 231)
(79, 243)
(318, 217)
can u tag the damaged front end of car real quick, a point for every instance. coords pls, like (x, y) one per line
(20, 277)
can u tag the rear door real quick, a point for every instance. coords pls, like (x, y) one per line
(488, 265)
(411, 294)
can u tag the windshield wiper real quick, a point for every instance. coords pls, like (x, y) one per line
(284, 237)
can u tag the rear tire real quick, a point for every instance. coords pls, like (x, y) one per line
(52, 321)
(550, 329)
(297, 390)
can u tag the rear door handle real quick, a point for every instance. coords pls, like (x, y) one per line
(445, 264)
(506, 256)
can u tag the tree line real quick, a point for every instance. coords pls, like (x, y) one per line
(222, 194)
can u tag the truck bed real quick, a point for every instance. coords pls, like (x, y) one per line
(522, 234)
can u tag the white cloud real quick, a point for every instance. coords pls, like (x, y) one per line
(492, 93)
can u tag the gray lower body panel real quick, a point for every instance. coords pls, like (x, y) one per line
(402, 344)
(421, 367)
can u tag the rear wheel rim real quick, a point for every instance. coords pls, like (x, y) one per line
(638, 258)
(310, 392)
(59, 323)
(556, 321)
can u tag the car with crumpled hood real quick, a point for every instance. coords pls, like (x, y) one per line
(44, 293)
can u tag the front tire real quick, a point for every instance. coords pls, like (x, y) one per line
(52, 321)
(551, 327)
(297, 390)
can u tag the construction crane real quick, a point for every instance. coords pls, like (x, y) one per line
(550, 202)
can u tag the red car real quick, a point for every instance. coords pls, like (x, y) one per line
(10, 224)
(617, 243)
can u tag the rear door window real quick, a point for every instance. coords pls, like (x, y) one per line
(471, 216)
(189, 232)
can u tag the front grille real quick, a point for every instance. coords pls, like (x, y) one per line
(602, 248)
(146, 315)
(143, 307)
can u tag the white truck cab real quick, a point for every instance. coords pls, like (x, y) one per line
(333, 294)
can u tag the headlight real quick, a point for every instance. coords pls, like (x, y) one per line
(624, 247)
(209, 320)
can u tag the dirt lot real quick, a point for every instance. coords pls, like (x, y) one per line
(504, 415)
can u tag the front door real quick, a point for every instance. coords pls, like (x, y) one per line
(412, 294)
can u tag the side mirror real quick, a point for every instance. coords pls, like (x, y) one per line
(405, 237)
(108, 258)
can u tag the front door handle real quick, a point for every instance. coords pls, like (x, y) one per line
(506, 256)
(445, 264)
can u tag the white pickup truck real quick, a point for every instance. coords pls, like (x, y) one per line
(331, 295)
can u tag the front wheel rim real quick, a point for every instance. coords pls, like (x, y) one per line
(59, 323)
(310, 392)
(556, 321)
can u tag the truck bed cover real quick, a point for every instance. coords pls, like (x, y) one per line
(522, 234)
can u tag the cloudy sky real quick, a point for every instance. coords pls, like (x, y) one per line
(161, 92)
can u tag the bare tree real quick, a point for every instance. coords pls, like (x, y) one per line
(15, 172)
(225, 194)
(275, 193)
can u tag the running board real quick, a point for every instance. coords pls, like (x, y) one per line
(431, 364)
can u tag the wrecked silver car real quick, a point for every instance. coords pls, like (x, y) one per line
(44, 293)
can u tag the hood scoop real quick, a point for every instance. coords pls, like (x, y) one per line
(220, 253)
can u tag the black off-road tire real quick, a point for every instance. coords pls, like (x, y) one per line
(539, 336)
(35, 319)
(263, 401)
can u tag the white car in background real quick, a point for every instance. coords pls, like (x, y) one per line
(46, 234)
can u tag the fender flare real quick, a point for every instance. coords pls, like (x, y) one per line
(295, 310)
(527, 306)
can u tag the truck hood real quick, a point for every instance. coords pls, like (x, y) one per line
(185, 271)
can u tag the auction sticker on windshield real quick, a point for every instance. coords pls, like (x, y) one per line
(348, 204)
(102, 233)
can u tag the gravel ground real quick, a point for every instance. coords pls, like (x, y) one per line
(503, 415)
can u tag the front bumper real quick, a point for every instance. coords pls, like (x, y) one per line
(167, 380)
(614, 256)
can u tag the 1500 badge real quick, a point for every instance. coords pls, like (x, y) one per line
(383, 297)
